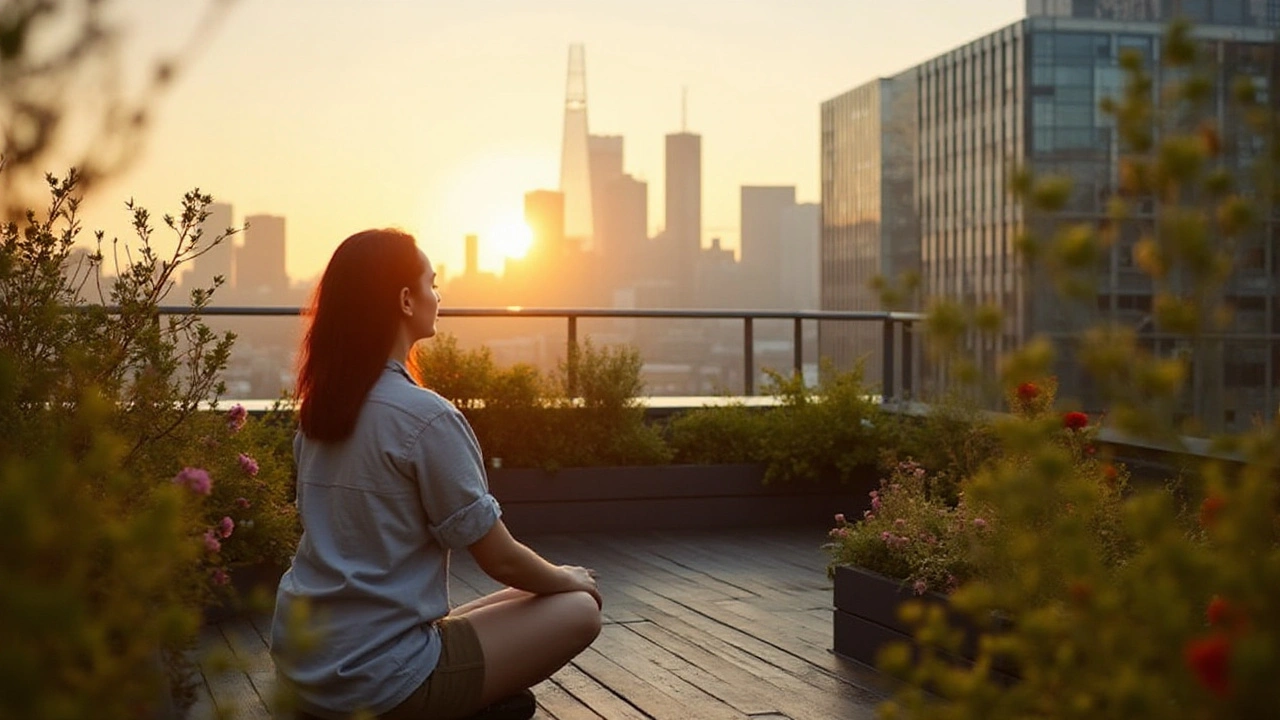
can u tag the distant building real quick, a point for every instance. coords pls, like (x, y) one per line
(260, 261)
(798, 264)
(683, 232)
(1028, 95)
(218, 260)
(575, 161)
(605, 161)
(761, 245)
(869, 222)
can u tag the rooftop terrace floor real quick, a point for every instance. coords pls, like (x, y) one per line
(726, 624)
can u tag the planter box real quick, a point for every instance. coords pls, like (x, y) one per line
(667, 497)
(866, 618)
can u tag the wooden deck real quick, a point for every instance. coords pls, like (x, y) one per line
(730, 624)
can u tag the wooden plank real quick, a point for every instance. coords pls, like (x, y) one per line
(556, 704)
(741, 692)
(819, 677)
(593, 694)
(653, 701)
(619, 645)
(773, 691)
(230, 689)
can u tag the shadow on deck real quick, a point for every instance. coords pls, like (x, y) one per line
(726, 624)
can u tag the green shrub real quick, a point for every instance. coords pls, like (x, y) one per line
(526, 420)
(100, 411)
(95, 567)
(728, 434)
(825, 434)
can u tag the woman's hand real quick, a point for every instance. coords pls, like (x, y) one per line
(584, 579)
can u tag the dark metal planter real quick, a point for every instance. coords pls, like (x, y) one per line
(866, 618)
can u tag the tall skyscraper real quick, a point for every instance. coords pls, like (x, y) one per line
(762, 242)
(798, 265)
(219, 260)
(260, 261)
(1028, 95)
(870, 224)
(605, 160)
(683, 232)
(575, 160)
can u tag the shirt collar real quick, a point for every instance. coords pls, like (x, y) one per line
(399, 367)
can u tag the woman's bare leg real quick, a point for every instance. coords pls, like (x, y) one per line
(527, 638)
(502, 595)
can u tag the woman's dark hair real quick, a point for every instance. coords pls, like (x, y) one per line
(353, 323)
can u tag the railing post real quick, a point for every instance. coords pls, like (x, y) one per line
(908, 359)
(748, 358)
(799, 349)
(572, 357)
(886, 383)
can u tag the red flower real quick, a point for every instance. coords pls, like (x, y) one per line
(1209, 658)
(1110, 473)
(1225, 615)
(1209, 510)
(1028, 392)
(1075, 420)
(1218, 612)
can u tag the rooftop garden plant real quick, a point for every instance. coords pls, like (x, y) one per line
(125, 497)
(1123, 602)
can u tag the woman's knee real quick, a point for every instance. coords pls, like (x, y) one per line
(583, 615)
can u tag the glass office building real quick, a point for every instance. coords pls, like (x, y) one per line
(1028, 95)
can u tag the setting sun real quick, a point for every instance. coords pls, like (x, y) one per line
(511, 238)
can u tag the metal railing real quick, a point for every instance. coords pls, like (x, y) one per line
(897, 337)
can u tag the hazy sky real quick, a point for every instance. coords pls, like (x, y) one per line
(437, 116)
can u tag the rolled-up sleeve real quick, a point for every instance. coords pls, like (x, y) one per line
(449, 469)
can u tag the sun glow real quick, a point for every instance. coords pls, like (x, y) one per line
(511, 237)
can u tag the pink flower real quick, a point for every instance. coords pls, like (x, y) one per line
(920, 586)
(899, 523)
(243, 503)
(875, 504)
(248, 465)
(225, 526)
(979, 522)
(194, 479)
(220, 577)
(886, 536)
(839, 518)
(211, 541)
(236, 417)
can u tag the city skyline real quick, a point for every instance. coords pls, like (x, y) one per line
(437, 120)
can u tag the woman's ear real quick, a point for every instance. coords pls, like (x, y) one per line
(406, 303)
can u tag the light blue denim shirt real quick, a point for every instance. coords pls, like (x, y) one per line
(380, 512)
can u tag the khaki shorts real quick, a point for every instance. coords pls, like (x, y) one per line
(453, 689)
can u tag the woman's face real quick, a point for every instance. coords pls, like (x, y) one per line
(425, 303)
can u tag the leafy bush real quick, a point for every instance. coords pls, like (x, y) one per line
(523, 419)
(727, 434)
(100, 416)
(829, 433)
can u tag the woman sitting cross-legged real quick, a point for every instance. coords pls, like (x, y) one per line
(390, 479)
